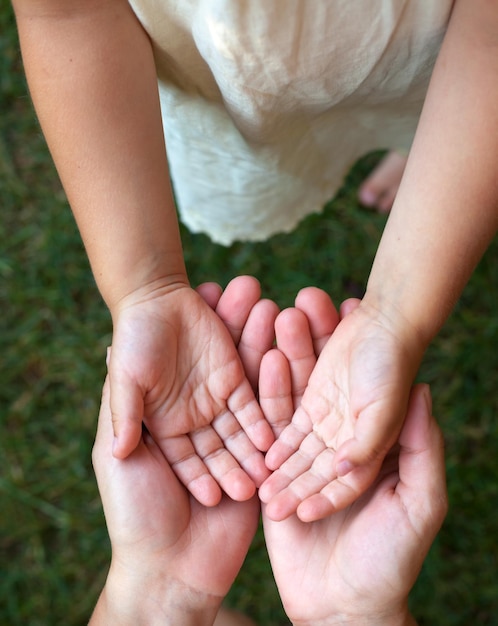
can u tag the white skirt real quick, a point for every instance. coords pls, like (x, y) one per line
(266, 104)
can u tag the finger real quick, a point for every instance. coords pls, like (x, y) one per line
(191, 470)
(422, 481)
(294, 468)
(348, 306)
(127, 407)
(322, 315)
(257, 338)
(337, 494)
(289, 439)
(244, 406)
(210, 293)
(421, 473)
(222, 466)
(275, 390)
(294, 340)
(236, 442)
(236, 302)
(375, 432)
(105, 435)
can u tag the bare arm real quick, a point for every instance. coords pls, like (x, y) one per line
(446, 211)
(92, 78)
(173, 364)
(444, 216)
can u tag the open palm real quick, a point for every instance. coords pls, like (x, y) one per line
(175, 367)
(350, 415)
(364, 560)
(158, 530)
(358, 564)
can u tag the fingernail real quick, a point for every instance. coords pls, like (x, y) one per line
(114, 445)
(108, 356)
(344, 467)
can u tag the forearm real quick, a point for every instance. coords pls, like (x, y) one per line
(446, 211)
(92, 78)
(151, 601)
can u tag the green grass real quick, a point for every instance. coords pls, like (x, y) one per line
(53, 332)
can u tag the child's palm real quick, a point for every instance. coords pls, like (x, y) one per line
(351, 413)
(184, 380)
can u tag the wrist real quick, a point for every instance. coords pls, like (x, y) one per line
(401, 617)
(142, 600)
(142, 281)
(412, 291)
(391, 315)
(148, 291)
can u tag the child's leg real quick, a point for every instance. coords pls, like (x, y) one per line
(379, 189)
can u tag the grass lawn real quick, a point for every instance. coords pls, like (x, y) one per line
(54, 330)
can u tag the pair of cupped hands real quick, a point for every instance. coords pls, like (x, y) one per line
(200, 369)
(190, 421)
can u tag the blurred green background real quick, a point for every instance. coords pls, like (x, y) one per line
(54, 330)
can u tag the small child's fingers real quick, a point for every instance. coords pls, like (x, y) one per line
(290, 472)
(226, 435)
(317, 493)
(257, 338)
(289, 439)
(275, 391)
(365, 448)
(286, 499)
(348, 306)
(322, 315)
(191, 470)
(244, 406)
(337, 494)
(210, 292)
(222, 466)
(236, 303)
(295, 342)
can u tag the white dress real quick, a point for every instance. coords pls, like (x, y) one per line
(267, 103)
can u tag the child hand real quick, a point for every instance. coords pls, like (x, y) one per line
(174, 367)
(251, 326)
(350, 416)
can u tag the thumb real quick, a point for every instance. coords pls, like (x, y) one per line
(372, 440)
(127, 408)
(421, 457)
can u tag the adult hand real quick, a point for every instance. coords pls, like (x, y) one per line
(166, 547)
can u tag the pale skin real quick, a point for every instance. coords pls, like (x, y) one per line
(165, 559)
(378, 191)
(442, 220)
(173, 364)
(166, 566)
(102, 123)
(358, 565)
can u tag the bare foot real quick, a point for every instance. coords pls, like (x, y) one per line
(229, 617)
(379, 189)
